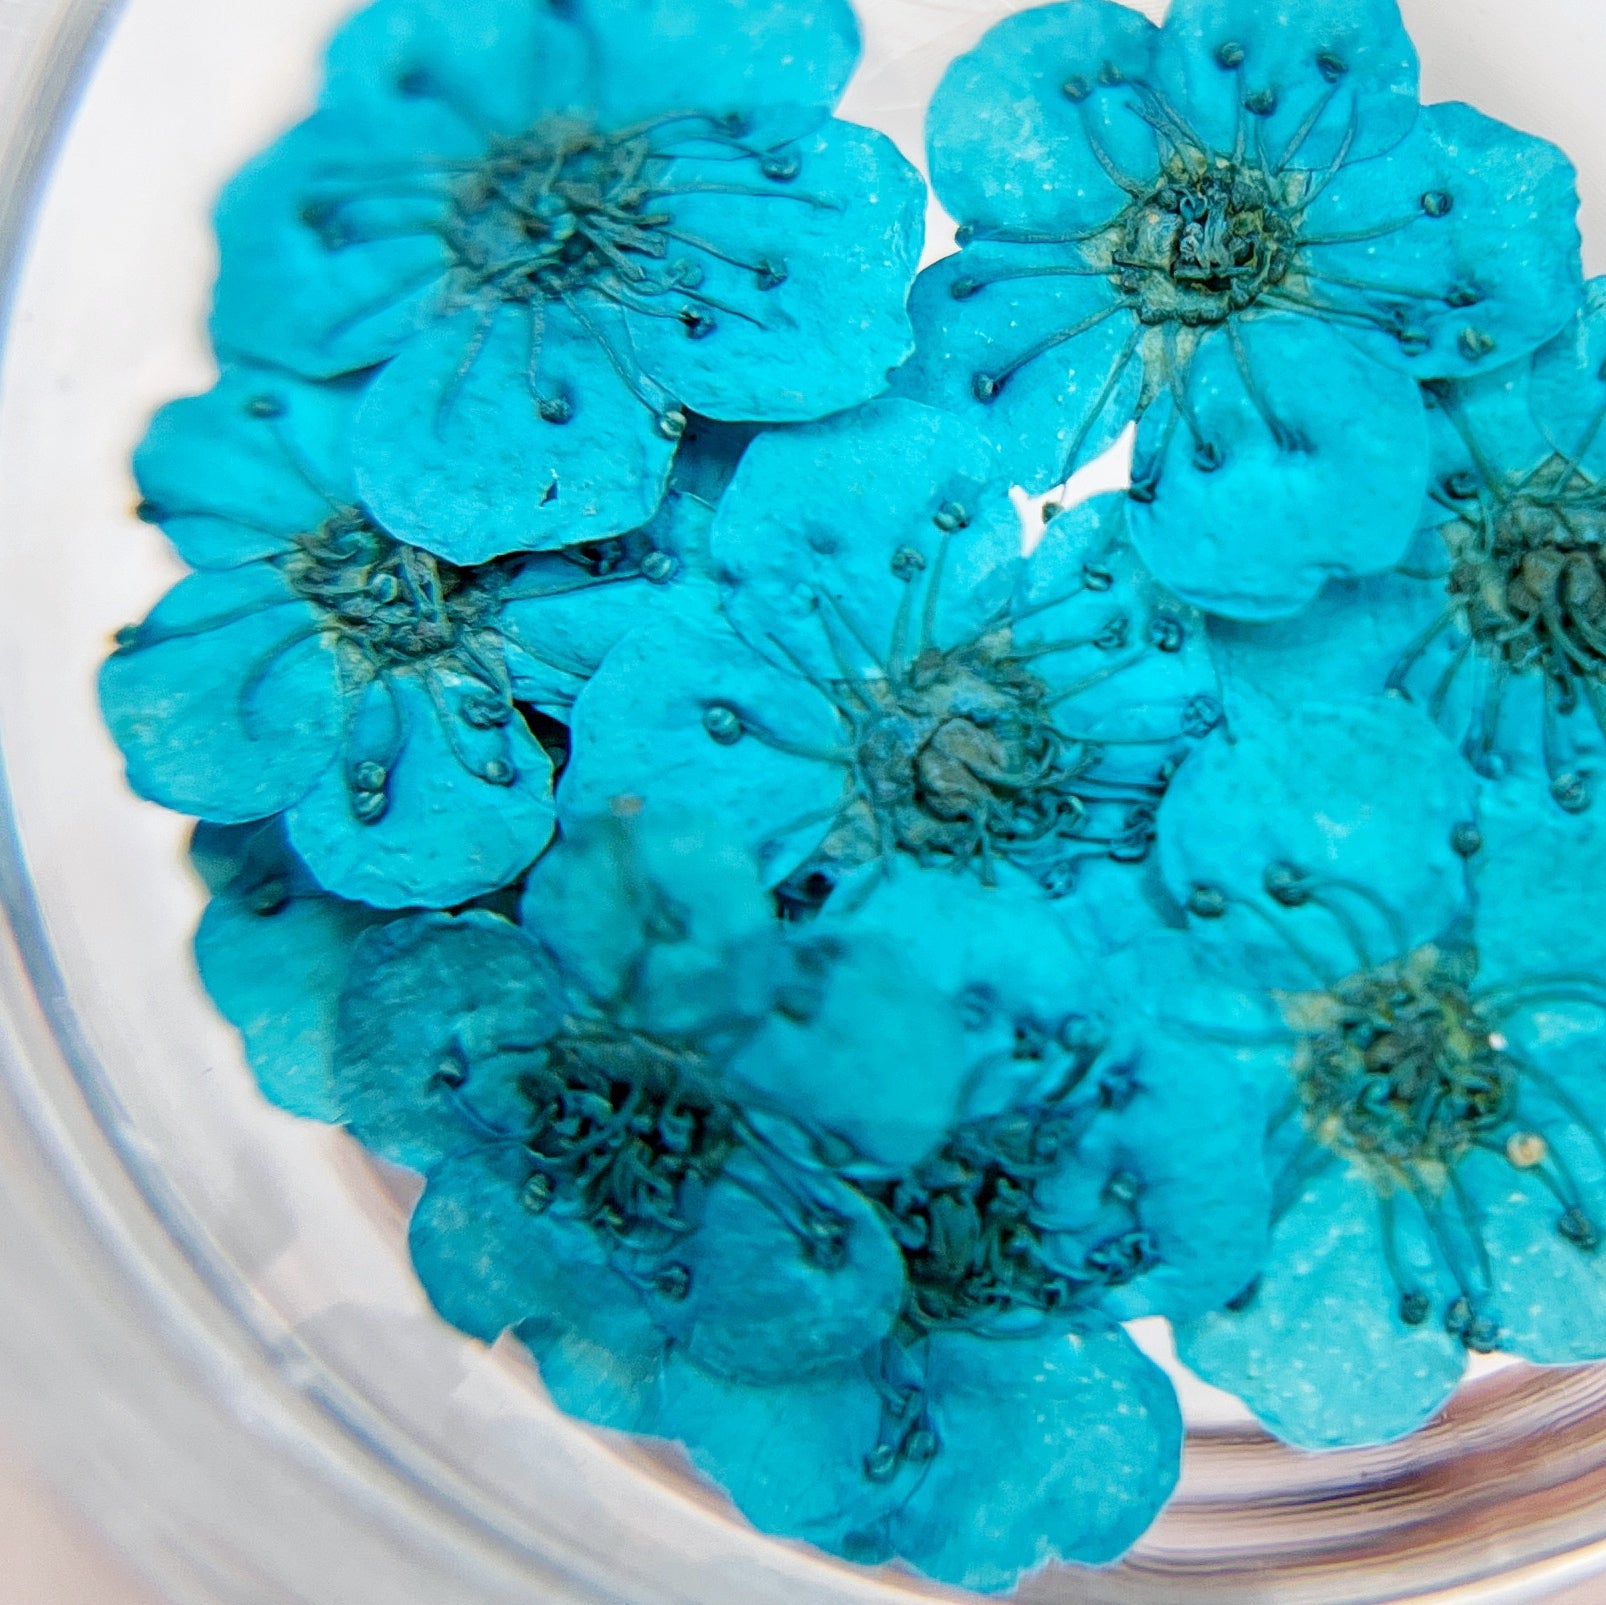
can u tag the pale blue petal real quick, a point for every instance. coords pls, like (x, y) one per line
(285, 295)
(1340, 75)
(489, 1262)
(1365, 793)
(1461, 291)
(226, 701)
(449, 832)
(606, 1374)
(659, 56)
(1319, 1351)
(1487, 427)
(820, 523)
(469, 995)
(506, 62)
(759, 1308)
(454, 454)
(870, 1051)
(272, 951)
(1010, 147)
(663, 901)
(1567, 392)
(1245, 525)
(1056, 1447)
(799, 310)
(1054, 410)
(231, 475)
(639, 731)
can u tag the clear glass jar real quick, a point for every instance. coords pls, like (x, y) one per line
(211, 1338)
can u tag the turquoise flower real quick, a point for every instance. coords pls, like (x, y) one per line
(889, 678)
(1496, 620)
(1422, 992)
(318, 667)
(1242, 230)
(563, 228)
(272, 949)
(1006, 1421)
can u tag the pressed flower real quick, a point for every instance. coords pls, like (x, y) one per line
(272, 949)
(1496, 620)
(575, 1092)
(1421, 991)
(319, 667)
(1241, 229)
(889, 678)
(561, 228)
(1005, 1421)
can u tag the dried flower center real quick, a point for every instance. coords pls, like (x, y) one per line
(395, 604)
(623, 1132)
(1397, 1068)
(1204, 245)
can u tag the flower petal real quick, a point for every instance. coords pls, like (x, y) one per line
(657, 57)
(1469, 240)
(1367, 793)
(465, 809)
(260, 457)
(606, 1373)
(272, 951)
(639, 730)
(466, 992)
(1245, 524)
(829, 533)
(285, 295)
(1339, 76)
(225, 702)
(460, 67)
(866, 1050)
(488, 1262)
(1014, 123)
(1319, 1351)
(798, 309)
(662, 901)
(1054, 1447)
(1566, 392)
(1052, 411)
(760, 1309)
(453, 452)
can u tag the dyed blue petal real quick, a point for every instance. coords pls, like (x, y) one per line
(657, 57)
(489, 1262)
(272, 951)
(465, 809)
(762, 1306)
(1136, 659)
(458, 67)
(454, 454)
(866, 538)
(606, 1373)
(641, 728)
(864, 1048)
(1013, 125)
(1059, 1447)
(1052, 411)
(1319, 1351)
(232, 474)
(798, 309)
(225, 701)
(285, 295)
(1488, 426)
(461, 994)
(1330, 80)
(1531, 920)
(1367, 795)
(1453, 292)
(557, 628)
(660, 902)
(1245, 524)
(1567, 393)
